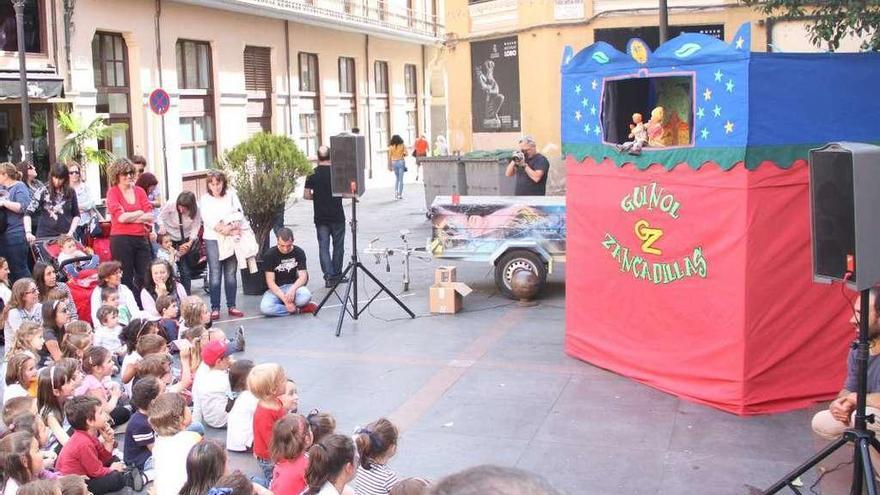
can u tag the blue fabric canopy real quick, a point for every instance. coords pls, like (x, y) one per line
(745, 107)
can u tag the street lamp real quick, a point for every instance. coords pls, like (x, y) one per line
(664, 21)
(22, 74)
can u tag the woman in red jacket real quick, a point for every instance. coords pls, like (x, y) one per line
(131, 222)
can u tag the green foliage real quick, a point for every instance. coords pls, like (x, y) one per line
(829, 21)
(81, 137)
(264, 171)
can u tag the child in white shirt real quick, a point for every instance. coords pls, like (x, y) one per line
(211, 389)
(107, 332)
(169, 417)
(240, 426)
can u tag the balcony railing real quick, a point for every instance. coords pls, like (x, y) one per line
(380, 15)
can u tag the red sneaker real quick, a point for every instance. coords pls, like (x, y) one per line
(309, 308)
(235, 313)
(215, 315)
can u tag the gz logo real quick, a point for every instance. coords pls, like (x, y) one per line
(643, 263)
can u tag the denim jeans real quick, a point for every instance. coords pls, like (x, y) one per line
(221, 269)
(398, 166)
(266, 467)
(331, 266)
(270, 305)
(14, 248)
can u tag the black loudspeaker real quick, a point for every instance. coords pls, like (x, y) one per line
(845, 213)
(348, 154)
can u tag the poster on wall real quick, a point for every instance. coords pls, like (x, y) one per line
(569, 9)
(495, 85)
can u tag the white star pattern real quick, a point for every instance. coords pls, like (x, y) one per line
(704, 133)
(593, 110)
(718, 75)
(739, 43)
(729, 85)
(585, 102)
(587, 128)
(594, 84)
(707, 95)
(701, 112)
(728, 127)
(577, 115)
(577, 89)
(717, 111)
(596, 130)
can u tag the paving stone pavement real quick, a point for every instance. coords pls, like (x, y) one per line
(493, 385)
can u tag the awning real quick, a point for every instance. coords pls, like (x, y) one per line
(41, 85)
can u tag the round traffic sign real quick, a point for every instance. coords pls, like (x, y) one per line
(160, 101)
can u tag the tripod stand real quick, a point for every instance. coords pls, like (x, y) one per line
(351, 271)
(861, 437)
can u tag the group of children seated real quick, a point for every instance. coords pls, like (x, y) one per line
(163, 382)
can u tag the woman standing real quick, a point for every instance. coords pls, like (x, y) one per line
(27, 172)
(47, 281)
(5, 290)
(222, 216)
(160, 282)
(24, 306)
(84, 199)
(55, 207)
(181, 220)
(14, 198)
(131, 222)
(397, 163)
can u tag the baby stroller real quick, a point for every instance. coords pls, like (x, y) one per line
(47, 250)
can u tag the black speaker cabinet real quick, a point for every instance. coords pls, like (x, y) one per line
(347, 162)
(845, 213)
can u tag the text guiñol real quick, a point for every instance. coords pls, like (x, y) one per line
(645, 265)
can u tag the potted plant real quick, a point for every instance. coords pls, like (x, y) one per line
(264, 171)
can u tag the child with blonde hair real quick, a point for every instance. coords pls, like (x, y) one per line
(267, 382)
(169, 418)
(21, 372)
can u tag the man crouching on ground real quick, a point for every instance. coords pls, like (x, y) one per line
(832, 422)
(286, 277)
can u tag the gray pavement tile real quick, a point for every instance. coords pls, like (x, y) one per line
(702, 430)
(614, 392)
(508, 385)
(433, 455)
(721, 474)
(586, 424)
(485, 417)
(587, 469)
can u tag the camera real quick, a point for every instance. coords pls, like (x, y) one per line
(518, 157)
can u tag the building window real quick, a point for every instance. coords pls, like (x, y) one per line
(33, 27)
(310, 104)
(382, 121)
(411, 83)
(197, 133)
(110, 68)
(347, 93)
(380, 76)
(258, 84)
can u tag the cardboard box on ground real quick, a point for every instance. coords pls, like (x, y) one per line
(447, 295)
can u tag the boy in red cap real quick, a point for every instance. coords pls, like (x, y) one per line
(211, 389)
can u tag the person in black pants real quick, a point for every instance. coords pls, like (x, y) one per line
(329, 219)
(88, 451)
(131, 224)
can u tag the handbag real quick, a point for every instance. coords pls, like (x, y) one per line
(94, 225)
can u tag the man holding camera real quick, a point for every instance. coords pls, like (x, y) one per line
(530, 167)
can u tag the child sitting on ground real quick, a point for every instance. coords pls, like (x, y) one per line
(21, 460)
(29, 339)
(107, 331)
(55, 385)
(169, 418)
(377, 444)
(211, 389)
(291, 438)
(139, 435)
(321, 424)
(75, 345)
(69, 250)
(88, 452)
(98, 365)
(240, 424)
(110, 296)
(267, 383)
(169, 312)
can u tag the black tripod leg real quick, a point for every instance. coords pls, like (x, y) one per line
(868, 468)
(344, 308)
(387, 291)
(806, 466)
(331, 291)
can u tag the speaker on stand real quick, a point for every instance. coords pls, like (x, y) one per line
(845, 227)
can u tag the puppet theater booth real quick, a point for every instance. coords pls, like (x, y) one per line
(689, 265)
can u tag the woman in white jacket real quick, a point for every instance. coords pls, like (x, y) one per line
(222, 216)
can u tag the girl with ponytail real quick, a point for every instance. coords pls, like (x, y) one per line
(376, 444)
(332, 464)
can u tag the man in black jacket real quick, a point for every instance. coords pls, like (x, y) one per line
(329, 219)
